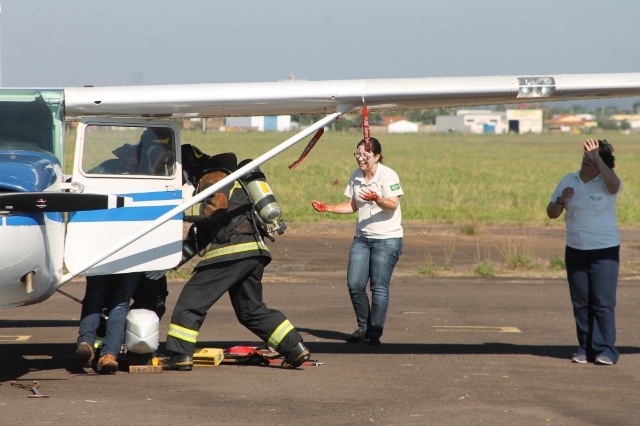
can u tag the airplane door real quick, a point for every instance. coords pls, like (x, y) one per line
(133, 158)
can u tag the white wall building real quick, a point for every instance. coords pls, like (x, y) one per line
(487, 121)
(473, 121)
(525, 120)
(269, 123)
(403, 126)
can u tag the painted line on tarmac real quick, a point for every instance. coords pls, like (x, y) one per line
(14, 338)
(476, 329)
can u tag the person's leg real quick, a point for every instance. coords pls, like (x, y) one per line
(204, 288)
(120, 292)
(90, 316)
(578, 278)
(151, 294)
(357, 278)
(604, 282)
(270, 325)
(384, 256)
(94, 300)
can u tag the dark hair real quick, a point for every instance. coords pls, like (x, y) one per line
(376, 148)
(605, 149)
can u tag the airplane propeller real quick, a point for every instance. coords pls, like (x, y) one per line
(59, 202)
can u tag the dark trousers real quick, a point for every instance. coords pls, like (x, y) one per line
(593, 281)
(242, 279)
(151, 294)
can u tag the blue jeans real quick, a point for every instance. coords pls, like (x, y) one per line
(371, 260)
(113, 292)
(593, 280)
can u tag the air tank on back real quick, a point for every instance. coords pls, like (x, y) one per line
(263, 199)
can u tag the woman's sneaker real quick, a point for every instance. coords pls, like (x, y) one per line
(603, 360)
(580, 359)
(358, 336)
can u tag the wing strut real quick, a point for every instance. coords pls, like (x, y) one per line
(208, 192)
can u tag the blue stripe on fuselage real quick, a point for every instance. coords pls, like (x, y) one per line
(132, 214)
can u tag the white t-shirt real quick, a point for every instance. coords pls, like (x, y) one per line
(373, 222)
(591, 218)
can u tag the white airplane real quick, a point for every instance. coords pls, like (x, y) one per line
(55, 227)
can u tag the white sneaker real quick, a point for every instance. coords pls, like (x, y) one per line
(603, 360)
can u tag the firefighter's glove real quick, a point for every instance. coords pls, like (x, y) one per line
(155, 275)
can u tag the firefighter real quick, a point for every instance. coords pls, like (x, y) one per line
(234, 262)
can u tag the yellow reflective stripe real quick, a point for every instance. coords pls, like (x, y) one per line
(236, 185)
(183, 333)
(277, 336)
(238, 248)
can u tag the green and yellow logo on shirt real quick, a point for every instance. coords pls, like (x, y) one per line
(395, 187)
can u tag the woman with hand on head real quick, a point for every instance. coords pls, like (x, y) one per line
(592, 253)
(374, 192)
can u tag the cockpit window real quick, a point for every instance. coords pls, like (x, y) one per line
(115, 150)
(30, 120)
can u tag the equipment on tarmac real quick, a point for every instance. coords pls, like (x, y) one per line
(141, 336)
(208, 356)
(261, 355)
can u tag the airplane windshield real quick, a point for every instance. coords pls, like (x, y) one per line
(118, 150)
(31, 120)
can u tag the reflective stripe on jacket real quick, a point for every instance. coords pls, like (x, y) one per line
(228, 236)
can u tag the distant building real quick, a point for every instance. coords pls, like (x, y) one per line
(487, 121)
(566, 123)
(385, 120)
(205, 124)
(403, 126)
(632, 119)
(269, 123)
(473, 121)
(525, 120)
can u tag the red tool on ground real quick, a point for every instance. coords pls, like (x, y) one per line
(33, 389)
(257, 355)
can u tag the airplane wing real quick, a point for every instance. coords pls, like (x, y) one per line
(325, 97)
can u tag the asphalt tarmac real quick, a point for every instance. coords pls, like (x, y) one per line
(457, 350)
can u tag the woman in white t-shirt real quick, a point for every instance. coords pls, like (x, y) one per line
(592, 253)
(374, 192)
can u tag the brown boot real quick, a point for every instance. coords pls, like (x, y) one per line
(107, 364)
(84, 354)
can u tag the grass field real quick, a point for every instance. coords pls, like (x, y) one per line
(447, 179)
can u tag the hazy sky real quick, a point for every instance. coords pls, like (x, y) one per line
(126, 42)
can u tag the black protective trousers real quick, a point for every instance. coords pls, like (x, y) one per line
(243, 280)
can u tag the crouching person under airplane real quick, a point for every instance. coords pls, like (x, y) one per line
(234, 263)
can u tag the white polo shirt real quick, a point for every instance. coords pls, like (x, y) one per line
(373, 222)
(591, 217)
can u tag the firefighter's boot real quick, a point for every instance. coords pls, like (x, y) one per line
(296, 356)
(178, 362)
